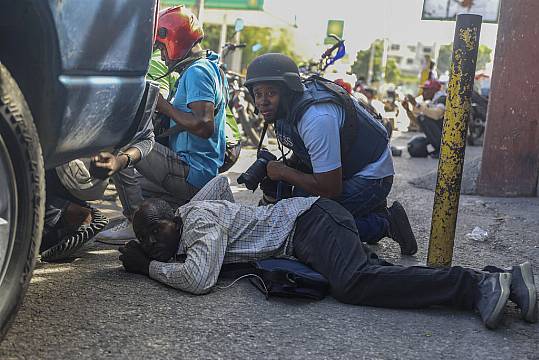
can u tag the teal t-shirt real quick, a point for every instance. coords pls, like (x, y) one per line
(201, 82)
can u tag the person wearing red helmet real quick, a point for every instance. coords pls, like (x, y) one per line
(345, 85)
(196, 141)
(430, 113)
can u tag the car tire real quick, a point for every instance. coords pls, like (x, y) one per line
(22, 197)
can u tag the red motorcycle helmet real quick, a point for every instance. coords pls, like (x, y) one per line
(345, 85)
(178, 30)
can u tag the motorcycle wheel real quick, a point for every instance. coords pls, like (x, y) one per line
(245, 120)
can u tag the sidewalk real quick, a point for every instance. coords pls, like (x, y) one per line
(91, 308)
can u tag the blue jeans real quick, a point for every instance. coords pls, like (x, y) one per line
(366, 200)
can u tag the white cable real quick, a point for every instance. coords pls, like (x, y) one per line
(244, 276)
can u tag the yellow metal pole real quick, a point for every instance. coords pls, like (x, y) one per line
(447, 194)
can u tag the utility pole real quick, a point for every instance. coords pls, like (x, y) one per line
(199, 11)
(236, 56)
(510, 162)
(384, 60)
(370, 72)
(222, 39)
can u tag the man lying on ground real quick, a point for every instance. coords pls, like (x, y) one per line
(212, 230)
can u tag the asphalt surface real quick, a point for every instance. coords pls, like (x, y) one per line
(90, 308)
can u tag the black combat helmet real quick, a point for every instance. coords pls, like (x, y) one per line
(274, 67)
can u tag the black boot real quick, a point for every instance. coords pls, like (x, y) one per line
(400, 229)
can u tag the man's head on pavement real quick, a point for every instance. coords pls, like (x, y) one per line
(274, 82)
(430, 88)
(157, 229)
(178, 31)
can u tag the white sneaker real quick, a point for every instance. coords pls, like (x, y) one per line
(121, 231)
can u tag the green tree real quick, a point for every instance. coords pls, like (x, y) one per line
(270, 39)
(484, 56)
(361, 66)
(393, 73)
(212, 35)
(444, 58)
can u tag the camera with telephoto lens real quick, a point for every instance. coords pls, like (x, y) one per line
(256, 172)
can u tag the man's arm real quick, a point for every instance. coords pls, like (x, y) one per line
(199, 121)
(141, 144)
(321, 134)
(327, 184)
(433, 111)
(206, 247)
(216, 189)
(201, 88)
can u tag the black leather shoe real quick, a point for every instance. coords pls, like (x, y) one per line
(400, 229)
(494, 291)
(523, 291)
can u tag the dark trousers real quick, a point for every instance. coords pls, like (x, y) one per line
(326, 239)
(57, 198)
(432, 129)
(366, 199)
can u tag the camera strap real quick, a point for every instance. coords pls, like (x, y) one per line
(264, 129)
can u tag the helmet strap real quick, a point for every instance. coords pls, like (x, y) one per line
(183, 64)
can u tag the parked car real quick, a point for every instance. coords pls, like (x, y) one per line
(72, 83)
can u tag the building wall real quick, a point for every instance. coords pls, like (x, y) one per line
(409, 56)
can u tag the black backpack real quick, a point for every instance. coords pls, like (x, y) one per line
(280, 277)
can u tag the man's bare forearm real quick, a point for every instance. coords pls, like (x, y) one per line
(308, 182)
(184, 119)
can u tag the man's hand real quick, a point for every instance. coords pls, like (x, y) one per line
(107, 161)
(162, 105)
(276, 170)
(134, 259)
(411, 100)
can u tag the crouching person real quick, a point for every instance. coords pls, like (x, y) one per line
(197, 142)
(186, 249)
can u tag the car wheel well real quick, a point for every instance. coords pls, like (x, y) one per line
(28, 48)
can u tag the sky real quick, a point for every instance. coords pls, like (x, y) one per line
(364, 21)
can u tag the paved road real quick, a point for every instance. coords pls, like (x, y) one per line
(90, 308)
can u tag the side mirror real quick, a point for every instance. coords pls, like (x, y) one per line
(238, 25)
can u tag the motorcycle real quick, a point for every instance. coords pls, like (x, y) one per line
(241, 102)
(478, 119)
(328, 58)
